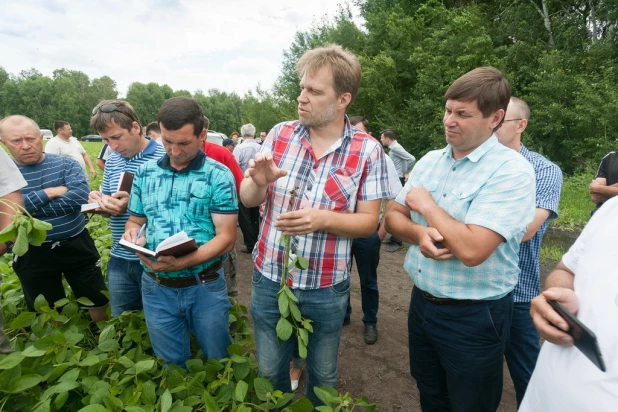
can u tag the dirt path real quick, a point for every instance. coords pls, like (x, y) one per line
(380, 371)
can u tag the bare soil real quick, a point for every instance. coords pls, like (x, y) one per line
(380, 371)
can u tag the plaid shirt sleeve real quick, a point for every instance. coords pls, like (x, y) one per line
(374, 183)
(548, 185)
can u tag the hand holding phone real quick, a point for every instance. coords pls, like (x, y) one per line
(584, 339)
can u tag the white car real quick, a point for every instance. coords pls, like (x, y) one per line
(215, 137)
(47, 134)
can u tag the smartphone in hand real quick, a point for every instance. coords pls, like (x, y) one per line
(584, 339)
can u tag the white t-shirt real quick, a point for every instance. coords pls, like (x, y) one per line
(10, 176)
(564, 379)
(72, 148)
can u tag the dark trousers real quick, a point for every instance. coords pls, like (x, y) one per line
(457, 352)
(523, 348)
(366, 252)
(249, 222)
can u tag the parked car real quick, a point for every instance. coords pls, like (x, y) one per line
(215, 137)
(47, 134)
(92, 138)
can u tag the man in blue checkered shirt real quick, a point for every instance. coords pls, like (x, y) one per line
(465, 209)
(523, 348)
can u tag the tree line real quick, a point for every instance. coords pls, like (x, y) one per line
(559, 55)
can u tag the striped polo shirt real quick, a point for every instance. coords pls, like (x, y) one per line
(63, 212)
(115, 165)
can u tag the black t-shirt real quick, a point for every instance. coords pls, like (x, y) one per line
(608, 169)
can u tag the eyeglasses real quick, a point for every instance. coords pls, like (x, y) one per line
(109, 108)
(512, 120)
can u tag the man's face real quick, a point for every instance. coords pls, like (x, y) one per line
(235, 139)
(65, 131)
(385, 140)
(154, 134)
(317, 100)
(263, 136)
(182, 145)
(127, 143)
(25, 143)
(466, 128)
(511, 129)
(360, 126)
(230, 147)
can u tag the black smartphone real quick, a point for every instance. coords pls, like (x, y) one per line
(584, 339)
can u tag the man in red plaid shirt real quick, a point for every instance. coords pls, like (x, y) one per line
(339, 176)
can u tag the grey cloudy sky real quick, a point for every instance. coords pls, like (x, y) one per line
(231, 45)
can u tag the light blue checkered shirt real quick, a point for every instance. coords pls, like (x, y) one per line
(548, 184)
(491, 187)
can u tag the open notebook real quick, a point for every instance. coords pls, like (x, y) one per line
(125, 183)
(176, 245)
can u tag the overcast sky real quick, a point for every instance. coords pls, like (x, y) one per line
(231, 45)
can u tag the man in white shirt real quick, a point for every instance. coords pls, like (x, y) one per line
(66, 145)
(585, 282)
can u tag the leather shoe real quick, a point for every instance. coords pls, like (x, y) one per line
(394, 247)
(371, 335)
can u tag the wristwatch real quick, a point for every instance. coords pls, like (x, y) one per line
(9, 246)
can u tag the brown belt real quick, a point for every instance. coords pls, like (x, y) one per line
(448, 301)
(207, 275)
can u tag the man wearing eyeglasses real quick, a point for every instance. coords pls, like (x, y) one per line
(117, 123)
(57, 187)
(465, 210)
(523, 347)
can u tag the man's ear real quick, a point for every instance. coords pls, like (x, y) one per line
(344, 100)
(497, 118)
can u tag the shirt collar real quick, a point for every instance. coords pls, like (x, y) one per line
(151, 148)
(196, 163)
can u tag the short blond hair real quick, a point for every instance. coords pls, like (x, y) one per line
(344, 65)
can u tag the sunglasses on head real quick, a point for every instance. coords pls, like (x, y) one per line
(109, 108)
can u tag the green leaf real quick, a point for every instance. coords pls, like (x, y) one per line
(241, 370)
(243, 408)
(70, 376)
(283, 301)
(325, 393)
(134, 409)
(192, 401)
(126, 362)
(262, 388)
(85, 301)
(307, 325)
(166, 401)
(90, 360)
(61, 302)
(40, 225)
(107, 333)
(209, 402)
(108, 345)
(32, 352)
(239, 359)
(60, 400)
(303, 335)
(143, 366)
(21, 242)
(65, 386)
(295, 311)
(241, 391)
(301, 263)
(39, 302)
(94, 408)
(8, 233)
(25, 382)
(11, 360)
(36, 237)
(235, 349)
(302, 350)
(284, 241)
(301, 405)
(149, 394)
(44, 407)
(290, 294)
(284, 329)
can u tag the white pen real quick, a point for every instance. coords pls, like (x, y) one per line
(141, 230)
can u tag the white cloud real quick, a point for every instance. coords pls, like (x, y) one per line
(230, 45)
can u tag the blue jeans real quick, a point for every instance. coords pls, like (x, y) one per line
(325, 307)
(366, 251)
(172, 312)
(457, 352)
(124, 282)
(523, 348)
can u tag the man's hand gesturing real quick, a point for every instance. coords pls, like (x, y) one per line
(263, 171)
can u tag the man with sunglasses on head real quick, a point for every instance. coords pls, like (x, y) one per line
(119, 126)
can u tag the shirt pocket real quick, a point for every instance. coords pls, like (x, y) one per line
(341, 186)
(460, 199)
(198, 208)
